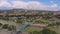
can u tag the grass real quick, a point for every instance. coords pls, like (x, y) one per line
(4, 18)
(18, 25)
(44, 21)
(57, 29)
(31, 28)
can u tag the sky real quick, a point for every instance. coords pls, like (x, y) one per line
(52, 5)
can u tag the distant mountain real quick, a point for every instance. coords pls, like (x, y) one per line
(27, 12)
(5, 8)
(16, 9)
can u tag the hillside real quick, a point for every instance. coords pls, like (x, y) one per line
(26, 12)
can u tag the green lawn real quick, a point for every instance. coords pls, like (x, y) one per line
(44, 21)
(57, 29)
(31, 28)
(18, 25)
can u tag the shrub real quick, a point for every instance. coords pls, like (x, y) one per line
(48, 31)
(5, 26)
(35, 32)
(1, 24)
(44, 31)
(12, 27)
(19, 21)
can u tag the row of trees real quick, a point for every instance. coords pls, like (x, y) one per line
(44, 31)
(54, 24)
(7, 26)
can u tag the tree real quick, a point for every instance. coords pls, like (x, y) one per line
(48, 31)
(5, 26)
(19, 21)
(35, 32)
(57, 23)
(12, 27)
(44, 31)
(51, 24)
(1, 24)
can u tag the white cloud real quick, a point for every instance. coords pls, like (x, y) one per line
(51, 1)
(4, 4)
(18, 4)
(54, 5)
(27, 5)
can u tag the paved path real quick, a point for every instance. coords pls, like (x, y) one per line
(40, 25)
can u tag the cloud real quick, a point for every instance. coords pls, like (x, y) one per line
(54, 5)
(28, 5)
(18, 4)
(4, 4)
(51, 1)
